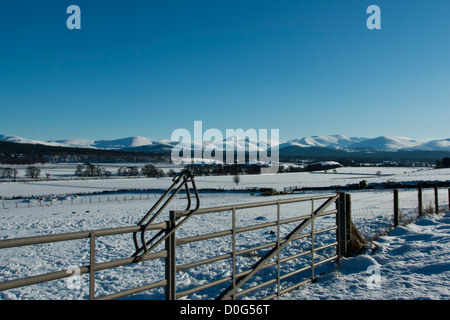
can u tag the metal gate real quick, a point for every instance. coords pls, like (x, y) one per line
(300, 227)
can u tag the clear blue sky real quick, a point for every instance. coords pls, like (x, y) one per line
(146, 68)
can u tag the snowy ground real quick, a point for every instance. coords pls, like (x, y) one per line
(343, 176)
(411, 262)
(424, 243)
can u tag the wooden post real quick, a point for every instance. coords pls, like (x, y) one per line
(348, 217)
(396, 209)
(341, 228)
(436, 200)
(420, 199)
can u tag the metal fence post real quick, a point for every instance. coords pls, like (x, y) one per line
(92, 266)
(420, 200)
(233, 248)
(312, 241)
(396, 209)
(170, 260)
(341, 227)
(436, 200)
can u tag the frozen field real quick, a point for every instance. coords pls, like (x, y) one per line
(342, 177)
(22, 218)
(411, 263)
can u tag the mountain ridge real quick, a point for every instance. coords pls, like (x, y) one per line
(336, 142)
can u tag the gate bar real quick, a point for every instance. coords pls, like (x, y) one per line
(231, 290)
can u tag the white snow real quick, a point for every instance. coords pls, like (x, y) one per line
(332, 141)
(385, 143)
(62, 180)
(412, 262)
(412, 259)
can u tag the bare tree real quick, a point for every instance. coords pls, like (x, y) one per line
(150, 171)
(80, 170)
(8, 173)
(236, 179)
(32, 172)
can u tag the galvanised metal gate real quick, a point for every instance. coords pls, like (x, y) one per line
(235, 283)
(270, 256)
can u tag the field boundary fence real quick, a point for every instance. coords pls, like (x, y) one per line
(391, 208)
(305, 234)
(77, 200)
(272, 256)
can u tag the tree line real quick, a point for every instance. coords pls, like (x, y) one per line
(92, 170)
(445, 163)
(31, 172)
(22, 153)
(242, 169)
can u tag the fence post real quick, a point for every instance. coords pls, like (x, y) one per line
(420, 199)
(348, 217)
(92, 266)
(170, 260)
(436, 200)
(396, 209)
(448, 198)
(341, 227)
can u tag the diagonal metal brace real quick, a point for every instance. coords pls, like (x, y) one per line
(231, 290)
(179, 181)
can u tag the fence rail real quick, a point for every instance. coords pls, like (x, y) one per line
(77, 200)
(235, 283)
(383, 210)
(298, 225)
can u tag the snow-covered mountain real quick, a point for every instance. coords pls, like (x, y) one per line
(9, 138)
(131, 142)
(387, 144)
(434, 145)
(116, 144)
(382, 143)
(332, 141)
(336, 142)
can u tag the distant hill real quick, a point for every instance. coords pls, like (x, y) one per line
(26, 153)
(386, 144)
(337, 142)
(332, 142)
(333, 148)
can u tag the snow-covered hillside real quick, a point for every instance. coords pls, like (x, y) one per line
(333, 141)
(382, 143)
(386, 143)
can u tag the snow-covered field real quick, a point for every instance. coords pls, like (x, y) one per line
(411, 262)
(342, 177)
(371, 211)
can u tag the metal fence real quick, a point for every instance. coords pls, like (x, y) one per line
(261, 257)
(377, 212)
(290, 239)
(79, 200)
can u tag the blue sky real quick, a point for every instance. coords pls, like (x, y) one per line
(146, 68)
